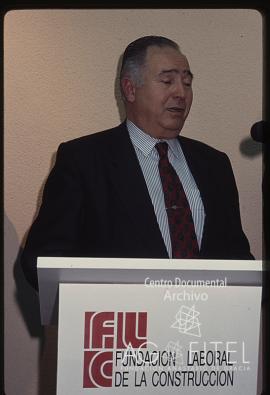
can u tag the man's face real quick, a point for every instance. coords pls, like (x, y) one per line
(161, 105)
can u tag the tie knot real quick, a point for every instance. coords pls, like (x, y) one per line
(162, 149)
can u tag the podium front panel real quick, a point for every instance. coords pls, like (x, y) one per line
(158, 339)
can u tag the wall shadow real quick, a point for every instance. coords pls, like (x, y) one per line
(250, 148)
(27, 300)
(117, 92)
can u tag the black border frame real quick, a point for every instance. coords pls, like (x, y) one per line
(262, 6)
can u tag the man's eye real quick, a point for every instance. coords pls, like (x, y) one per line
(167, 82)
(187, 83)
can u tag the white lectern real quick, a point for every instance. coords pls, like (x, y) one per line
(153, 326)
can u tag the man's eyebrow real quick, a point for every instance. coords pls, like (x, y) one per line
(185, 72)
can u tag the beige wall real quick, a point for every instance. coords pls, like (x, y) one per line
(60, 69)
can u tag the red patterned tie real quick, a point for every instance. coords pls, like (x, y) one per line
(183, 237)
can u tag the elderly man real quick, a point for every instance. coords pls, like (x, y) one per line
(140, 190)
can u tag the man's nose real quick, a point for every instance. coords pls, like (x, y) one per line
(180, 89)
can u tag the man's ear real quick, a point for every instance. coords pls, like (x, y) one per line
(129, 89)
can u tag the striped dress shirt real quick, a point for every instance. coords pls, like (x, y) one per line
(148, 157)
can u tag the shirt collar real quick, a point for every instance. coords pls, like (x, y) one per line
(146, 143)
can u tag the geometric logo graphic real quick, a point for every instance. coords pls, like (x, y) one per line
(98, 369)
(176, 349)
(104, 332)
(187, 321)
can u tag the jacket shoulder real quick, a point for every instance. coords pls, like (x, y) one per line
(201, 148)
(94, 140)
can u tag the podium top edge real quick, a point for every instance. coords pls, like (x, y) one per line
(147, 264)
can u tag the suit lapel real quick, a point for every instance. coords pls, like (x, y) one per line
(129, 183)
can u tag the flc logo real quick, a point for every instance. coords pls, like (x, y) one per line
(105, 332)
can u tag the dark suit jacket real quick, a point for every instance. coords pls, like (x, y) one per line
(96, 204)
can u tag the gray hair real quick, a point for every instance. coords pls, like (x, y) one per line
(135, 53)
